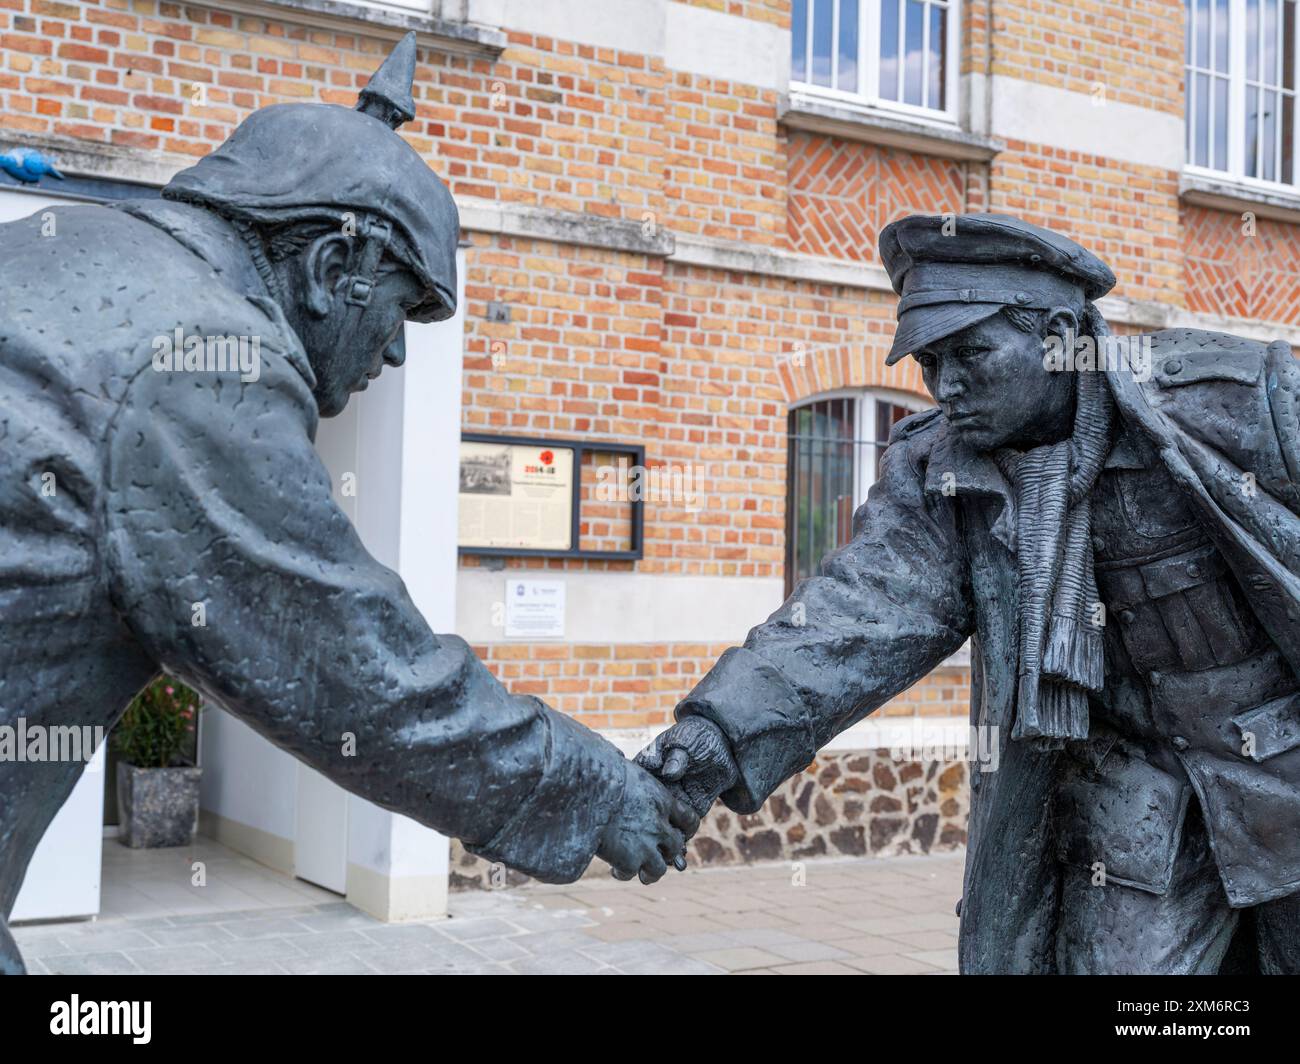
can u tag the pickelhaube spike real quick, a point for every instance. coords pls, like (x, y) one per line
(387, 96)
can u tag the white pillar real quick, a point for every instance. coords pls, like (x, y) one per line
(408, 441)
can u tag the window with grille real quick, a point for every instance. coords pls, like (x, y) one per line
(1240, 85)
(833, 458)
(898, 54)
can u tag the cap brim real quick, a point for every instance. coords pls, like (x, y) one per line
(921, 326)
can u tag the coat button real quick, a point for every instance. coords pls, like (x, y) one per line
(1126, 616)
(1180, 743)
(1173, 366)
(1098, 542)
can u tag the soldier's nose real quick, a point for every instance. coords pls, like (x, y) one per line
(395, 353)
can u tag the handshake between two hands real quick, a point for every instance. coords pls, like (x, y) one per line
(670, 786)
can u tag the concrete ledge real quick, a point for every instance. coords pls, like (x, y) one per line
(109, 162)
(1226, 194)
(814, 114)
(777, 262)
(564, 227)
(1151, 317)
(442, 35)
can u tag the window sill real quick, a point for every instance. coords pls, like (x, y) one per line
(441, 34)
(1226, 193)
(813, 114)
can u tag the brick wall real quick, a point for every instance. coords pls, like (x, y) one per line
(698, 364)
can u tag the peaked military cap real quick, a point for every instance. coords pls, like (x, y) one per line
(954, 272)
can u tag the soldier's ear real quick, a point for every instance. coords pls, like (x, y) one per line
(326, 270)
(1062, 322)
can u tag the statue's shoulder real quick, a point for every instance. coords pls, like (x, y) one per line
(1182, 357)
(1231, 392)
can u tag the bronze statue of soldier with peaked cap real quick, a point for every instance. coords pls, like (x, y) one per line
(319, 231)
(1114, 524)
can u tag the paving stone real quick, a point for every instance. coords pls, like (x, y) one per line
(185, 959)
(891, 964)
(815, 968)
(807, 951)
(111, 963)
(559, 962)
(739, 958)
(744, 920)
(479, 927)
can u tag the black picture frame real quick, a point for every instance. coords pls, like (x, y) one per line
(580, 447)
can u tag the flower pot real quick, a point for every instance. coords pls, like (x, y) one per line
(157, 806)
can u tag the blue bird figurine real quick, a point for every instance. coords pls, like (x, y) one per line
(27, 165)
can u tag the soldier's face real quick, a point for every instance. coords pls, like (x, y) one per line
(346, 360)
(994, 389)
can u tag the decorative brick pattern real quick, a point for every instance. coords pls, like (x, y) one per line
(1228, 269)
(843, 193)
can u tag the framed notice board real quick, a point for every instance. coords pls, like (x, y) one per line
(550, 498)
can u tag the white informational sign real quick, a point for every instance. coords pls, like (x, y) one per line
(513, 496)
(534, 609)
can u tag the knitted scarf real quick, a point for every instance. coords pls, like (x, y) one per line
(1061, 657)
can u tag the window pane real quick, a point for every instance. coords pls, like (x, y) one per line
(1221, 36)
(1202, 151)
(1288, 44)
(1252, 39)
(819, 484)
(823, 14)
(938, 26)
(848, 71)
(1220, 161)
(1201, 25)
(1252, 131)
(1268, 73)
(889, 49)
(1189, 92)
(914, 66)
(799, 41)
(1287, 173)
(1268, 137)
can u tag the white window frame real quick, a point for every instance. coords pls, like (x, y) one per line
(1236, 171)
(868, 97)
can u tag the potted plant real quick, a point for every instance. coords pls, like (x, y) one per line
(157, 785)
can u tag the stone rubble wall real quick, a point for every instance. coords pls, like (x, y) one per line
(852, 803)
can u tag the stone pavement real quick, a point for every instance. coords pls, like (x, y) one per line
(886, 916)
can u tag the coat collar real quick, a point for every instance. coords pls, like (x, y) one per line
(955, 470)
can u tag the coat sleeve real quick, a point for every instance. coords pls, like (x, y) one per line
(235, 568)
(886, 609)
